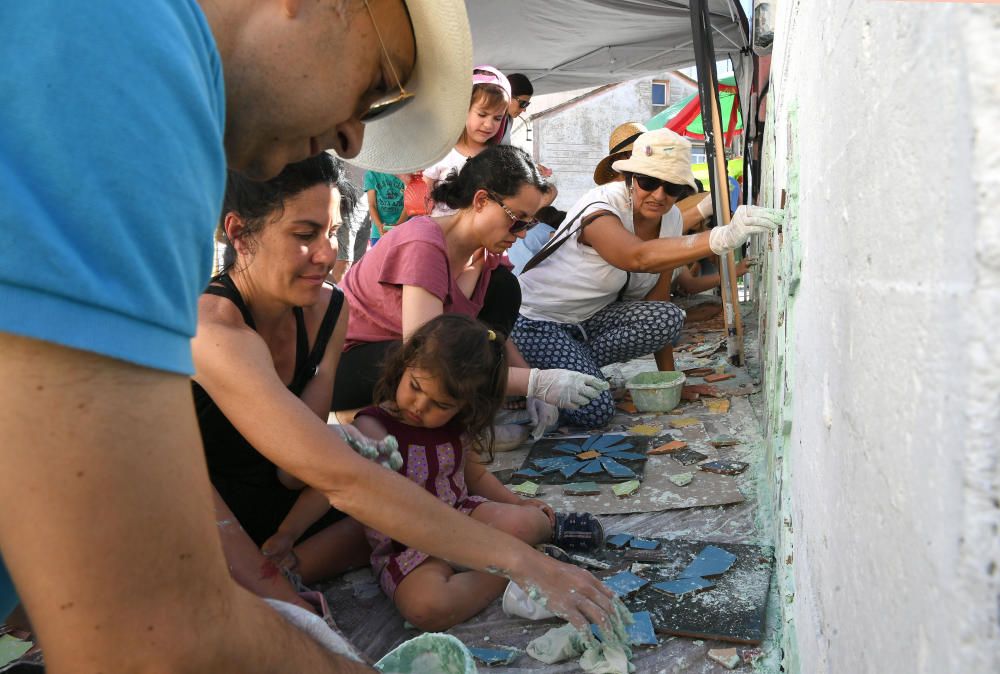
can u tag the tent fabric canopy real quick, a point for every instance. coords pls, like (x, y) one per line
(563, 45)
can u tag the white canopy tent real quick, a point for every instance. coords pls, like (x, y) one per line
(572, 44)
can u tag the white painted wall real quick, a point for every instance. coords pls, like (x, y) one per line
(886, 134)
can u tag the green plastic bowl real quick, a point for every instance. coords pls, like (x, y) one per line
(656, 391)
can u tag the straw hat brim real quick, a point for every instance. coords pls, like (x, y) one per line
(425, 130)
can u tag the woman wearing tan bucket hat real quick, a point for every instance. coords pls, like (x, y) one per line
(596, 294)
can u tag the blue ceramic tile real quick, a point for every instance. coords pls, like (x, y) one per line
(570, 450)
(621, 446)
(527, 473)
(571, 470)
(616, 469)
(607, 441)
(643, 544)
(711, 561)
(624, 456)
(593, 466)
(625, 583)
(589, 441)
(684, 585)
(641, 632)
(494, 656)
(618, 540)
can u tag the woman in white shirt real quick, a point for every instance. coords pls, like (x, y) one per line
(599, 295)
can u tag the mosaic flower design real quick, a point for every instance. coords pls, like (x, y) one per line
(596, 454)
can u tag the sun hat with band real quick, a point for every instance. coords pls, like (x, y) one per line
(661, 154)
(619, 144)
(424, 130)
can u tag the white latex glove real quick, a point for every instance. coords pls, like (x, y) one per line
(746, 221)
(385, 452)
(565, 389)
(544, 417)
(705, 207)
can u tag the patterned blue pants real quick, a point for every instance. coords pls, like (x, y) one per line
(619, 332)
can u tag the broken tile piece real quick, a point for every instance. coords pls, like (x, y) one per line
(494, 656)
(688, 456)
(618, 540)
(698, 371)
(12, 648)
(570, 470)
(727, 657)
(711, 561)
(624, 489)
(527, 474)
(724, 467)
(625, 583)
(582, 489)
(641, 632)
(590, 441)
(643, 543)
(627, 406)
(672, 446)
(526, 488)
(713, 378)
(681, 479)
(717, 405)
(609, 440)
(645, 429)
(592, 467)
(589, 454)
(695, 390)
(724, 441)
(682, 586)
(616, 469)
(684, 422)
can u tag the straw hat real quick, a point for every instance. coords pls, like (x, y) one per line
(662, 154)
(620, 142)
(422, 132)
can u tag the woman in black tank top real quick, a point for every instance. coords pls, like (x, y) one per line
(270, 309)
(266, 350)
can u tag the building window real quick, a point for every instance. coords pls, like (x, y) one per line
(660, 92)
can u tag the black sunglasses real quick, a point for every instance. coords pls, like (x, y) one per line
(518, 225)
(651, 184)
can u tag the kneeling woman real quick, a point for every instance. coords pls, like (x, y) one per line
(454, 264)
(598, 292)
(266, 350)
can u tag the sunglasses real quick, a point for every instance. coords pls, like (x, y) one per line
(519, 225)
(393, 102)
(524, 104)
(651, 184)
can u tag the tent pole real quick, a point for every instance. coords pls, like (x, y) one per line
(704, 51)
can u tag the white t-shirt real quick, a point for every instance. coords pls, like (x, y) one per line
(575, 282)
(438, 172)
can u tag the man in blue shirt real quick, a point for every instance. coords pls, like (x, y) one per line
(118, 120)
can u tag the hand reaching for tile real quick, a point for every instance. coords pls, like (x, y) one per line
(571, 593)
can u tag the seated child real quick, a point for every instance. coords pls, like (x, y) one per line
(438, 396)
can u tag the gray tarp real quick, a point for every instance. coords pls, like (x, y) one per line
(572, 44)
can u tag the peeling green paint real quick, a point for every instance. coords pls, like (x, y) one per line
(777, 284)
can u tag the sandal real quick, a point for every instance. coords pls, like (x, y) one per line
(578, 531)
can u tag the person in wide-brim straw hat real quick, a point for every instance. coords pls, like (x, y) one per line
(619, 147)
(599, 291)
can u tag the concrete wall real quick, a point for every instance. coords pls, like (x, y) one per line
(882, 334)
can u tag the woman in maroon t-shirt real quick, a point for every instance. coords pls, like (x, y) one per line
(454, 264)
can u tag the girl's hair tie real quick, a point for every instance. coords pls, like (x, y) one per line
(492, 336)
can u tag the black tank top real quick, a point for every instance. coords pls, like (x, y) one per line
(246, 480)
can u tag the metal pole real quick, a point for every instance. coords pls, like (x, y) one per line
(715, 156)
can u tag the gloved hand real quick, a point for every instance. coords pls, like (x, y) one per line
(746, 221)
(385, 452)
(705, 207)
(565, 389)
(544, 417)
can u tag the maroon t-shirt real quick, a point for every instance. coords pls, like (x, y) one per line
(413, 254)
